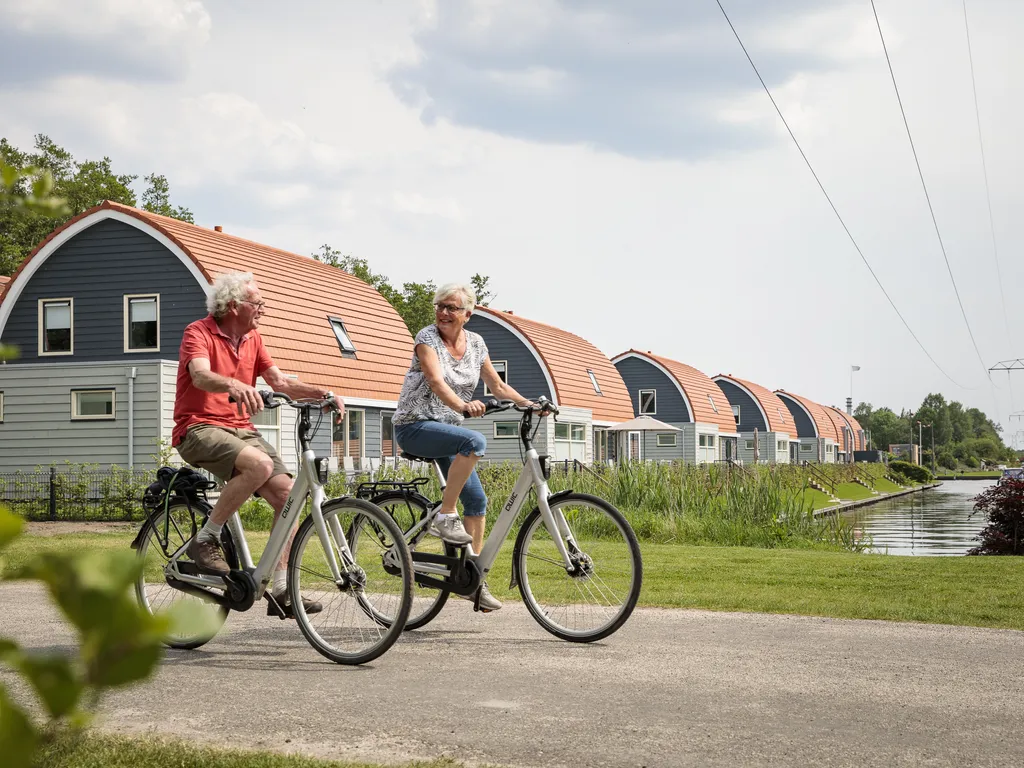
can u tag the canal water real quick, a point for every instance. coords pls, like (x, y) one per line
(932, 522)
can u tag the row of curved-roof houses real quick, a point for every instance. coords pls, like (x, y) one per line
(98, 308)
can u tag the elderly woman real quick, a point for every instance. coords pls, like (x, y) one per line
(447, 364)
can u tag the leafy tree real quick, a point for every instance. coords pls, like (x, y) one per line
(81, 185)
(483, 295)
(157, 199)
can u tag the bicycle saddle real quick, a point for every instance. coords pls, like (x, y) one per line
(410, 457)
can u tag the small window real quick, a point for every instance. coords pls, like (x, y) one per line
(712, 401)
(593, 380)
(56, 326)
(667, 441)
(268, 424)
(92, 404)
(706, 441)
(781, 446)
(648, 402)
(750, 445)
(782, 416)
(562, 431)
(578, 432)
(736, 414)
(806, 448)
(142, 323)
(348, 349)
(506, 429)
(566, 432)
(501, 368)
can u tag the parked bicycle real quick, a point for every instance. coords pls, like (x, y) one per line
(576, 560)
(365, 596)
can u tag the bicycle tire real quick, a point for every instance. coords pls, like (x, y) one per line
(345, 604)
(427, 601)
(153, 595)
(548, 588)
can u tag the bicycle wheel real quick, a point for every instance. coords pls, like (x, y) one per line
(155, 595)
(380, 578)
(407, 510)
(595, 597)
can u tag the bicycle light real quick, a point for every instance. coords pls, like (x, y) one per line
(545, 466)
(321, 465)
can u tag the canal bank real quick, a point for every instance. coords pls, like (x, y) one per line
(846, 506)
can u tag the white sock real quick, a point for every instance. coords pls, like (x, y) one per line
(210, 531)
(280, 582)
(446, 515)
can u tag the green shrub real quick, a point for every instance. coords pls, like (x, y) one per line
(1003, 504)
(910, 471)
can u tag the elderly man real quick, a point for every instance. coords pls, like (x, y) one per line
(220, 357)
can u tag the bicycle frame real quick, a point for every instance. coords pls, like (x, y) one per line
(307, 484)
(531, 477)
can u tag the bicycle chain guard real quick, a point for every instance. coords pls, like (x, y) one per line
(464, 575)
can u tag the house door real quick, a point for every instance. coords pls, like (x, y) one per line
(636, 452)
(729, 448)
(387, 436)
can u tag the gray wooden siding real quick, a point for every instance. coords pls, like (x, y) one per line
(524, 372)
(97, 268)
(804, 425)
(749, 412)
(508, 449)
(653, 453)
(767, 443)
(639, 374)
(38, 429)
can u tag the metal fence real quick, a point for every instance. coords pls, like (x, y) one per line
(56, 494)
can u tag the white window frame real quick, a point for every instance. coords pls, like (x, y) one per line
(570, 439)
(515, 430)
(77, 416)
(275, 428)
(640, 402)
(781, 446)
(712, 401)
(504, 370)
(736, 414)
(342, 336)
(749, 445)
(666, 440)
(127, 322)
(806, 447)
(42, 329)
(593, 380)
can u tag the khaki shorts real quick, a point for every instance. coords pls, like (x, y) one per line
(216, 449)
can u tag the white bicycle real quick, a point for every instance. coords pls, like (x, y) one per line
(576, 560)
(365, 597)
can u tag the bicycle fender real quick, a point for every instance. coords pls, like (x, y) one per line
(520, 536)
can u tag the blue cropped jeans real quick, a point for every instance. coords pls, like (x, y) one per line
(436, 440)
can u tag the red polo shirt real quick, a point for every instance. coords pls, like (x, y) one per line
(192, 405)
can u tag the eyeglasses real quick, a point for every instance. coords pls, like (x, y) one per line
(260, 305)
(452, 308)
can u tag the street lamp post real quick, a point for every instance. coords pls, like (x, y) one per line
(920, 440)
(932, 430)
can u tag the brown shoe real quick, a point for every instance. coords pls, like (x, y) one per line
(208, 557)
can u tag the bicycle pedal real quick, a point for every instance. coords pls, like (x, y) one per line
(274, 608)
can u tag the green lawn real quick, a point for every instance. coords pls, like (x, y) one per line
(100, 751)
(852, 491)
(971, 591)
(817, 499)
(887, 486)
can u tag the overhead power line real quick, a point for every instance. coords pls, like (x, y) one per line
(831, 204)
(984, 168)
(927, 197)
(1009, 365)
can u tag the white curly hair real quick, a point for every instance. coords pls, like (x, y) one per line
(228, 287)
(463, 291)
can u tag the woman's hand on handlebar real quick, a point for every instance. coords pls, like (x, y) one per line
(474, 409)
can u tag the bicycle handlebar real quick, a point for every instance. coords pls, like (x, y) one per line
(277, 399)
(543, 405)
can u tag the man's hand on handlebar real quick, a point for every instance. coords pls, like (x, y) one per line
(245, 396)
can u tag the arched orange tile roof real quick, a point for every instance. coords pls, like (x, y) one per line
(842, 420)
(566, 358)
(775, 411)
(300, 292)
(823, 425)
(706, 402)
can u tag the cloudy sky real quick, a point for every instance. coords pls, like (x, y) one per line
(614, 168)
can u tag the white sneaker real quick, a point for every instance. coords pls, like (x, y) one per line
(488, 602)
(451, 530)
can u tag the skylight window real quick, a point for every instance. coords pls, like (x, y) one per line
(348, 349)
(593, 380)
(712, 401)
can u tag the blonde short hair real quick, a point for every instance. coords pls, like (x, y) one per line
(457, 289)
(226, 288)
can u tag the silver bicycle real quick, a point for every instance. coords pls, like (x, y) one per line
(365, 597)
(576, 560)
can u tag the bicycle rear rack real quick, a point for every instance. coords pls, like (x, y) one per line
(369, 490)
